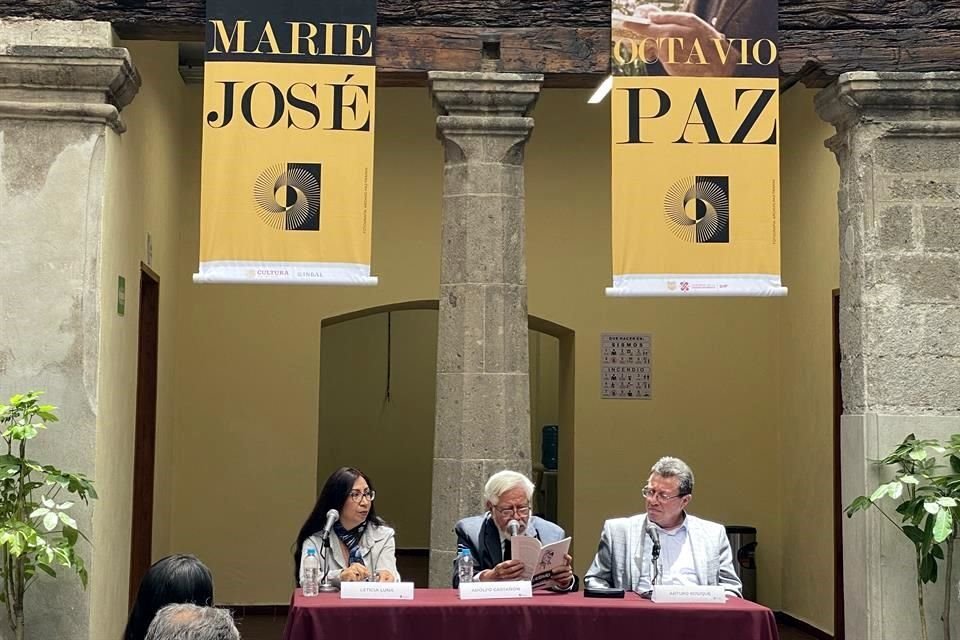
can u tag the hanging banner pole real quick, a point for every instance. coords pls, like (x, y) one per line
(288, 121)
(695, 149)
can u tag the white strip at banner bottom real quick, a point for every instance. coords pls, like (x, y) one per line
(257, 272)
(696, 285)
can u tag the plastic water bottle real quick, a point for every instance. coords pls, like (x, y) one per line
(311, 574)
(465, 566)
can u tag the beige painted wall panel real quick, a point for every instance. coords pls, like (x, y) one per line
(248, 363)
(143, 195)
(714, 361)
(811, 269)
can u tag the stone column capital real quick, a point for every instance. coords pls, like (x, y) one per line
(69, 83)
(891, 96)
(484, 116)
(465, 93)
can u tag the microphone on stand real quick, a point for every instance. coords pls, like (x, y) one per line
(332, 516)
(655, 553)
(513, 528)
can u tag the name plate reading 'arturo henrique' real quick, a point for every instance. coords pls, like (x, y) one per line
(376, 591)
(493, 590)
(673, 593)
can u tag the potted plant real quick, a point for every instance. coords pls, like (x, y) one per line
(37, 532)
(927, 495)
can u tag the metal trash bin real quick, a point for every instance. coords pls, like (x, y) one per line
(743, 543)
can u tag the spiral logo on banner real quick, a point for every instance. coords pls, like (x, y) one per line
(697, 209)
(288, 197)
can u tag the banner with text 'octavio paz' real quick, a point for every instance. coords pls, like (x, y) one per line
(695, 149)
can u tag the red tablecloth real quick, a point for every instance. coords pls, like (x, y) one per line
(439, 613)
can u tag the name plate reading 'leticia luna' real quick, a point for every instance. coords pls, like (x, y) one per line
(688, 593)
(492, 590)
(376, 591)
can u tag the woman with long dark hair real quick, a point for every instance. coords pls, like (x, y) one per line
(362, 546)
(176, 579)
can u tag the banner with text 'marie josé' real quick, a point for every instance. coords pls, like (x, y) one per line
(695, 159)
(288, 120)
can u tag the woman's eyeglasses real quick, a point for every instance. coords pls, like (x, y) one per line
(357, 496)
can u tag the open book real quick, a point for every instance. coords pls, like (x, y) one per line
(539, 560)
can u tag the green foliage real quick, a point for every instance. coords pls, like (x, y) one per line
(927, 497)
(37, 532)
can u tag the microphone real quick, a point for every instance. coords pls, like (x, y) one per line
(513, 528)
(332, 516)
(655, 537)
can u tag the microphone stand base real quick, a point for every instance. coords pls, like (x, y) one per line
(327, 588)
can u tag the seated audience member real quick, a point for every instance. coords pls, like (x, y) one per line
(507, 496)
(190, 622)
(362, 546)
(692, 551)
(176, 579)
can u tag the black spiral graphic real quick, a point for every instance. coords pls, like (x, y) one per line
(288, 197)
(697, 209)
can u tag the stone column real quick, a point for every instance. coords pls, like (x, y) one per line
(898, 146)
(62, 85)
(483, 390)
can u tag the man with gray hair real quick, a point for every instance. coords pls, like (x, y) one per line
(190, 622)
(507, 497)
(688, 550)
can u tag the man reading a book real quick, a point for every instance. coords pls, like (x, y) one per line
(507, 497)
(665, 545)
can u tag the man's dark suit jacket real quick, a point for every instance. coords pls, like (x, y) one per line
(479, 534)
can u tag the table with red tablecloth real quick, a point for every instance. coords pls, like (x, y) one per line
(440, 614)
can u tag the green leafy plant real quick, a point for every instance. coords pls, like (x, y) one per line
(927, 495)
(37, 533)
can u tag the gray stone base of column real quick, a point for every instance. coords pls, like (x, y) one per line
(879, 569)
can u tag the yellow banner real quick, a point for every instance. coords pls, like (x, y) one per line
(287, 171)
(695, 155)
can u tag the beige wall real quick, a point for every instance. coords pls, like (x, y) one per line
(714, 360)
(389, 438)
(249, 384)
(811, 268)
(144, 174)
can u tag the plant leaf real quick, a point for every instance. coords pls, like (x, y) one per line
(931, 507)
(881, 491)
(909, 480)
(896, 490)
(914, 533)
(943, 526)
(946, 501)
(50, 521)
(67, 520)
(918, 454)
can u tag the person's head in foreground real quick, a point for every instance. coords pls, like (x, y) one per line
(176, 579)
(190, 622)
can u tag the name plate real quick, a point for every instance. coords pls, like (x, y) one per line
(376, 591)
(492, 590)
(688, 593)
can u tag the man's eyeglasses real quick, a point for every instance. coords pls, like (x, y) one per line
(650, 494)
(521, 512)
(357, 496)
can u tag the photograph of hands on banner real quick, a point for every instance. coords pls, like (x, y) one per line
(695, 38)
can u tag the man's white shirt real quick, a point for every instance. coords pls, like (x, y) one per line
(676, 559)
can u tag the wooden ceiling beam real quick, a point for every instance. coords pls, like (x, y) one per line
(568, 40)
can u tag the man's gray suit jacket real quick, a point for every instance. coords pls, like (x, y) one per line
(622, 545)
